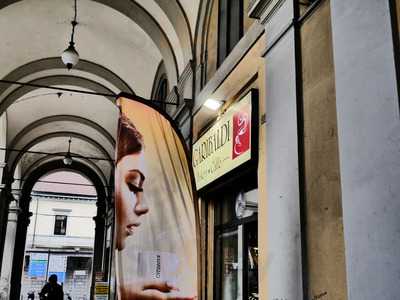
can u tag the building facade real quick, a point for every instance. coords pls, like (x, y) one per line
(60, 241)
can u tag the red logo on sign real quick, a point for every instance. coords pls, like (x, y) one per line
(241, 133)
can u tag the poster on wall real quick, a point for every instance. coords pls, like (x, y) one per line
(57, 266)
(38, 265)
(156, 219)
(229, 143)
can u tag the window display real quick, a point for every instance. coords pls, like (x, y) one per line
(235, 252)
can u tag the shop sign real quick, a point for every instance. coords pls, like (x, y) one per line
(58, 266)
(38, 265)
(101, 290)
(80, 273)
(226, 145)
(99, 276)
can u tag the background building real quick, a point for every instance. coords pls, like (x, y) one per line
(60, 240)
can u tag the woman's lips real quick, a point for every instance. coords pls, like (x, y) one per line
(131, 228)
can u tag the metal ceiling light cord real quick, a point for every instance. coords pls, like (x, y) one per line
(68, 158)
(70, 56)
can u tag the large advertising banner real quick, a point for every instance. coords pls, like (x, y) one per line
(156, 217)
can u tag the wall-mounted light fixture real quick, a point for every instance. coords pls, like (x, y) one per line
(68, 158)
(213, 104)
(245, 207)
(70, 56)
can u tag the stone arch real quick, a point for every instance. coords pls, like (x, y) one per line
(58, 118)
(13, 159)
(160, 74)
(56, 63)
(143, 18)
(55, 80)
(48, 159)
(177, 16)
(23, 219)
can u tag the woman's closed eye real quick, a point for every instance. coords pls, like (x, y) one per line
(134, 188)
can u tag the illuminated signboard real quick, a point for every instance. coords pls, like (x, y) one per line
(227, 144)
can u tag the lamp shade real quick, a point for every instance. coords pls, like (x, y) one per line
(70, 56)
(67, 159)
(213, 104)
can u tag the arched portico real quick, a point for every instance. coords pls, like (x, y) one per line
(24, 215)
(120, 44)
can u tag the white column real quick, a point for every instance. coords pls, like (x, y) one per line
(283, 209)
(369, 146)
(8, 253)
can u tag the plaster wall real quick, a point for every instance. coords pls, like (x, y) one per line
(3, 197)
(369, 141)
(79, 216)
(324, 225)
(283, 232)
(3, 143)
(262, 193)
(282, 186)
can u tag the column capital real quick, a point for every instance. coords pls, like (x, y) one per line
(99, 220)
(13, 212)
(24, 217)
(8, 178)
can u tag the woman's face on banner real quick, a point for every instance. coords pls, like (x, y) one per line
(129, 199)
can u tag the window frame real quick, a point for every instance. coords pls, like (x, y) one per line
(64, 220)
(226, 11)
(226, 228)
(162, 87)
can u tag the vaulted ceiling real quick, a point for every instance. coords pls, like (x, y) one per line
(121, 43)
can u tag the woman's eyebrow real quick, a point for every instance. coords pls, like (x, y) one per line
(142, 177)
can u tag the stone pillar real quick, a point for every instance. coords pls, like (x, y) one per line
(281, 209)
(98, 251)
(98, 243)
(5, 200)
(19, 248)
(8, 253)
(369, 143)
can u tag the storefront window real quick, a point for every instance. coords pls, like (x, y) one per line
(236, 252)
(228, 265)
(252, 261)
(225, 209)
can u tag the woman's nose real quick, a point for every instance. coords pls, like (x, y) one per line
(141, 207)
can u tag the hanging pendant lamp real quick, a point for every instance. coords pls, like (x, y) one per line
(70, 56)
(68, 158)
